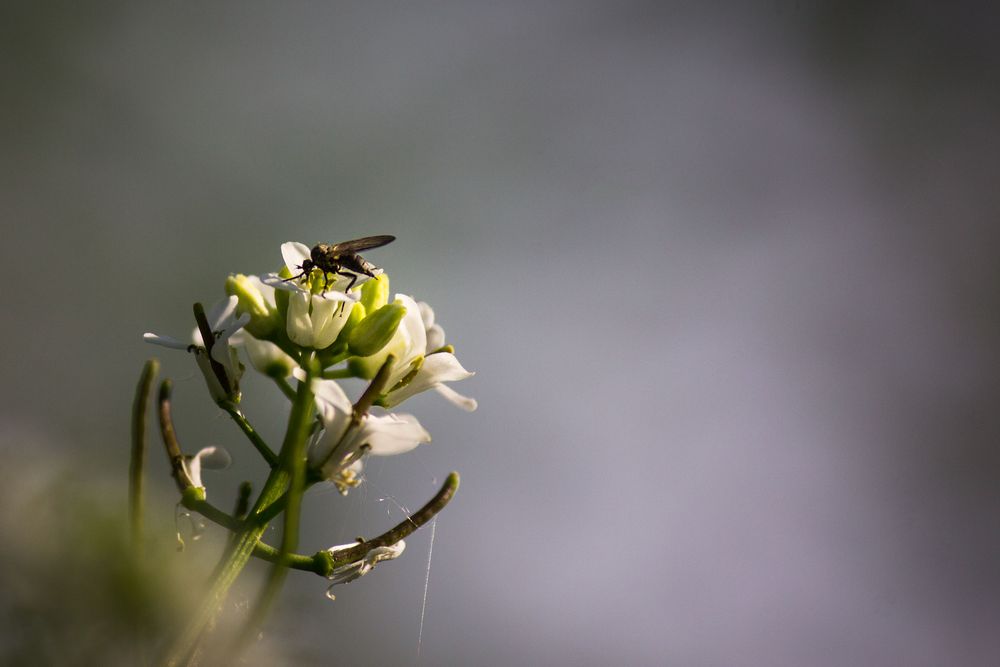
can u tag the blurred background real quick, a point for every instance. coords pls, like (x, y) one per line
(728, 278)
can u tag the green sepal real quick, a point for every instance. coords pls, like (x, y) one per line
(192, 496)
(372, 334)
(358, 313)
(323, 563)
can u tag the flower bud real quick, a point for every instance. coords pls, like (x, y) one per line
(372, 334)
(249, 290)
(375, 292)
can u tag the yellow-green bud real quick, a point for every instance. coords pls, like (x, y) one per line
(263, 316)
(375, 292)
(372, 334)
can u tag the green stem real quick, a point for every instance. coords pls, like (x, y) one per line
(318, 563)
(338, 374)
(137, 459)
(245, 541)
(285, 388)
(292, 463)
(250, 432)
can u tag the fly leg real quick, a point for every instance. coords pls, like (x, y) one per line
(354, 279)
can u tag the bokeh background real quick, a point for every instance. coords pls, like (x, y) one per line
(728, 276)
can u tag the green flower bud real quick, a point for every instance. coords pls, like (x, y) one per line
(375, 292)
(263, 314)
(376, 330)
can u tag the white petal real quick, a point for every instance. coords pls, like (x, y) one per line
(426, 314)
(221, 351)
(214, 458)
(445, 367)
(330, 395)
(393, 434)
(221, 313)
(435, 338)
(299, 323)
(165, 341)
(295, 254)
(455, 398)
(274, 281)
(265, 356)
(210, 458)
(437, 368)
(414, 325)
(329, 315)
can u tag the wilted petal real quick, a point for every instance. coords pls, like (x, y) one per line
(348, 573)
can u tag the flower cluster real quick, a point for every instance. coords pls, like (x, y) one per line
(308, 328)
(324, 318)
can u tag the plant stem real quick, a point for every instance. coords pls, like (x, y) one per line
(293, 464)
(250, 432)
(137, 459)
(404, 528)
(244, 543)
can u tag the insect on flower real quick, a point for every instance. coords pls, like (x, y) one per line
(342, 259)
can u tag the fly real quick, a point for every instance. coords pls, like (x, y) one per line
(343, 259)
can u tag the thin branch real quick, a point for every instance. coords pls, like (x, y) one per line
(404, 528)
(178, 471)
(374, 390)
(208, 338)
(250, 432)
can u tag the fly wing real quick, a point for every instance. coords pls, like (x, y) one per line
(358, 245)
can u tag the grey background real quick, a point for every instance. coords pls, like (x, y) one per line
(727, 277)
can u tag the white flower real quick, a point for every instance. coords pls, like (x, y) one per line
(210, 458)
(223, 323)
(359, 568)
(314, 320)
(341, 445)
(415, 342)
